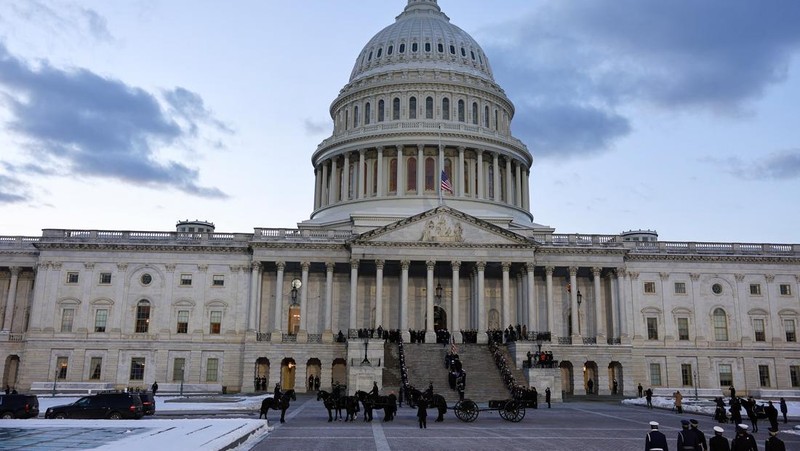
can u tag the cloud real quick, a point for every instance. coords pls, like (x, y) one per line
(56, 19)
(784, 165)
(12, 190)
(316, 128)
(79, 123)
(587, 61)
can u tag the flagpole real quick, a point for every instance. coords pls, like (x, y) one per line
(441, 165)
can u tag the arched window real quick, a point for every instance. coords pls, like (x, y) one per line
(430, 174)
(461, 111)
(490, 181)
(411, 174)
(396, 109)
(355, 116)
(475, 113)
(496, 121)
(346, 119)
(402, 48)
(429, 108)
(142, 317)
(486, 116)
(393, 175)
(720, 325)
(367, 111)
(390, 50)
(380, 110)
(446, 109)
(414, 47)
(466, 179)
(412, 108)
(380, 52)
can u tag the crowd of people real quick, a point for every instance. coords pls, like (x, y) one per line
(541, 359)
(690, 437)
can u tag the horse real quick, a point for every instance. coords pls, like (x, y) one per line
(367, 402)
(388, 403)
(331, 404)
(280, 404)
(434, 401)
(350, 404)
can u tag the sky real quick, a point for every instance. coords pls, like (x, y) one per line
(680, 116)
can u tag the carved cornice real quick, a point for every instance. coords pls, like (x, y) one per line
(106, 247)
(455, 264)
(714, 258)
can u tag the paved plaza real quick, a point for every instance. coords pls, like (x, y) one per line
(569, 426)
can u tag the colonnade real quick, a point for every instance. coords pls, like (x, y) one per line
(526, 308)
(378, 172)
(10, 299)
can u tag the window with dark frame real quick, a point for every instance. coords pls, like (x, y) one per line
(137, 369)
(186, 280)
(212, 370)
(758, 329)
(216, 322)
(686, 375)
(755, 289)
(183, 321)
(652, 328)
(72, 277)
(680, 287)
(763, 375)
(95, 368)
(785, 289)
(725, 375)
(142, 317)
(789, 328)
(794, 375)
(61, 367)
(105, 278)
(655, 374)
(650, 287)
(218, 280)
(67, 318)
(100, 320)
(178, 368)
(683, 328)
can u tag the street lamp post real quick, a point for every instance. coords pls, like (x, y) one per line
(183, 368)
(695, 385)
(580, 299)
(55, 378)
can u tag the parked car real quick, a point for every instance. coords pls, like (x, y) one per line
(113, 406)
(19, 406)
(148, 402)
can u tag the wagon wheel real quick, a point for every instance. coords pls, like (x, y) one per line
(517, 412)
(466, 411)
(505, 410)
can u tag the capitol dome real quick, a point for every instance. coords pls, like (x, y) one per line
(421, 123)
(422, 37)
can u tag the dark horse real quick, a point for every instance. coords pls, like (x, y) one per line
(436, 401)
(387, 403)
(280, 404)
(333, 405)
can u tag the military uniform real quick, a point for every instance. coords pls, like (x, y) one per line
(773, 442)
(655, 439)
(718, 442)
(743, 440)
(687, 439)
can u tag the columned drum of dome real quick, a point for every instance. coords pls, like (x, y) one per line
(421, 102)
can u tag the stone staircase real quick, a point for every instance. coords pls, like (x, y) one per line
(425, 364)
(391, 368)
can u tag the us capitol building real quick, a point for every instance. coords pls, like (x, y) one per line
(391, 242)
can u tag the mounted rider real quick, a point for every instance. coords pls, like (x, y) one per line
(278, 392)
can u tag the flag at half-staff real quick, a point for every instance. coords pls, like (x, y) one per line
(446, 186)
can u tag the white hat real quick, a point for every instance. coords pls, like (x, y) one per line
(654, 423)
(743, 426)
(718, 429)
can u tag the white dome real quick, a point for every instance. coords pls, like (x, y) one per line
(422, 37)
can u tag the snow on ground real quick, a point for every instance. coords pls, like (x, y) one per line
(174, 403)
(707, 407)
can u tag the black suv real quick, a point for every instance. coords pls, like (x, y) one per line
(114, 406)
(19, 406)
(148, 402)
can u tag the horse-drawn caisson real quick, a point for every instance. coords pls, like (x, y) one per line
(509, 410)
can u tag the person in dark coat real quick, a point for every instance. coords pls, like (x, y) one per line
(640, 390)
(733, 392)
(687, 439)
(772, 415)
(784, 410)
(589, 386)
(277, 393)
(422, 413)
(655, 439)
(701, 438)
(743, 441)
(749, 408)
(375, 392)
(547, 396)
(649, 397)
(154, 388)
(773, 442)
(736, 411)
(718, 442)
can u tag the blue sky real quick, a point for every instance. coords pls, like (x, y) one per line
(678, 116)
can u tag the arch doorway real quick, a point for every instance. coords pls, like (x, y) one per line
(566, 377)
(339, 372)
(288, 367)
(313, 373)
(590, 377)
(615, 374)
(439, 318)
(294, 319)
(261, 376)
(11, 371)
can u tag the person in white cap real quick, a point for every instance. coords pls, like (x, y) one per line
(655, 440)
(773, 442)
(743, 441)
(718, 442)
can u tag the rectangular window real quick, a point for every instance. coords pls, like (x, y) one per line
(137, 369)
(183, 321)
(650, 287)
(652, 328)
(763, 375)
(655, 374)
(105, 278)
(686, 375)
(212, 367)
(61, 367)
(755, 289)
(186, 280)
(178, 366)
(683, 328)
(100, 320)
(725, 375)
(67, 316)
(142, 318)
(788, 326)
(72, 277)
(794, 375)
(216, 322)
(786, 289)
(218, 280)
(680, 287)
(758, 328)
(95, 368)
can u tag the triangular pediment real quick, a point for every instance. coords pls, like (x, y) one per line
(443, 226)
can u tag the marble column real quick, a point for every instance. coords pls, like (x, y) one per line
(509, 182)
(482, 338)
(548, 272)
(526, 191)
(327, 334)
(420, 170)
(11, 298)
(573, 283)
(362, 174)
(479, 170)
(506, 295)
(378, 293)
(302, 334)
(317, 186)
(430, 336)
(455, 322)
(599, 305)
(401, 185)
(334, 182)
(380, 190)
(277, 327)
(518, 188)
(353, 293)
(613, 333)
(404, 299)
(625, 297)
(255, 280)
(325, 190)
(496, 174)
(461, 180)
(533, 312)
(345, 185)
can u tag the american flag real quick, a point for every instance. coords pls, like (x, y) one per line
(446, 186)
